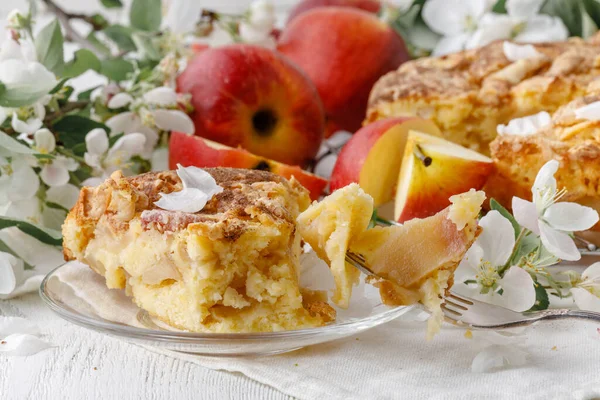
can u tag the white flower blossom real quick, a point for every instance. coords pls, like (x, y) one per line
(30, 79)
(33, 123)
(18, 180)
(586, 292)
(56, 172)
(467, 24)
(522, 23)
(553, 221)
(478, 275)
(151, 114)
(257, 28)
(105, 160)
(455, 20)
(198, 188)
(525, 126)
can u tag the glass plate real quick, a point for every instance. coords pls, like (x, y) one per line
(365, 312)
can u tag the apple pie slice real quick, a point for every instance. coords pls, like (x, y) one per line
(415, 261)
(230, 267)
(573, 141)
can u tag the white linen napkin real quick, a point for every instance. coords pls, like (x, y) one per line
(394, 360)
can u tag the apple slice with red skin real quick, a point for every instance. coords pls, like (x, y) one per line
(189, 150)
(433, 169)
(372, 157)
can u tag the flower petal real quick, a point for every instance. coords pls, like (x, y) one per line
(8, 280)
(491, 27)
(173, 120)
(24, 181)
(161, 96)
(545, 178)
(126, 147)
(186, 200)
(65, 195)
(197, 178)
(570, 217)
(518, 290)
(42, 256)
(29, 126)
(447, 17)
(22, 344)
(526, 125)
(526, 214)
(55, 174)
(126, 122)
(515, 52)
(44, 141)
(592, 273)
(585, 300)
(92, 182)
(558, 243)
(523, 9)
(543, 28)
(96, 141)
(120, 100)
(496, 356)
(590, 112)
(11, 325)
(497, 238)
(450, 44)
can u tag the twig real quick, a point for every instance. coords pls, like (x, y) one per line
(64, 18)
(70, 106)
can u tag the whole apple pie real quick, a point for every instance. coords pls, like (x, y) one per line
(468, 94)
(230, 267)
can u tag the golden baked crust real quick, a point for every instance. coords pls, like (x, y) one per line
(467, 94)
(231, 267)
(575, 143)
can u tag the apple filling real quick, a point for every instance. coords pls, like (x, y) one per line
(415, 261)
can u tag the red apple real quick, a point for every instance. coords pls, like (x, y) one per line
(433, 169)
(344, 51)
(252, 97)
(192, 150)
(372, 157)
(367, 5)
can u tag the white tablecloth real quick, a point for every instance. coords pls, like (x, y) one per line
(564, 363)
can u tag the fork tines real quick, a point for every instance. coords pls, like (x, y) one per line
(455, 304)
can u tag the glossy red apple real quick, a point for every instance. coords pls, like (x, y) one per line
(192, 150)
(344, 51)
(253, 97)
(372, 6)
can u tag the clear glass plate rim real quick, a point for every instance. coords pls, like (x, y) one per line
(145, 333)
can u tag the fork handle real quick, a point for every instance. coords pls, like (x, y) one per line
(564, 314)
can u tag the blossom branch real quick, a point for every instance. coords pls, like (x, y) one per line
(71, 34)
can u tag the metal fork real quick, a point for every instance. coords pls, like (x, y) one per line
(476, 314)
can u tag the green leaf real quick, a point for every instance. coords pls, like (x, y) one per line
(83, 61)
(541, 298)
(9, 143)
(146, 15)
(116, 69)
(494, 205)
(500, 7)
(567, 10)
(592, 7)
(97, 43)
(112, 3)
(146, 47)
(49, 47)
(44, 235)
(121, 35)
(58, 86)
(87, 94)
(56, 206)
(71, 129)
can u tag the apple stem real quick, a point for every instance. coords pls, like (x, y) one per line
(426, 160)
